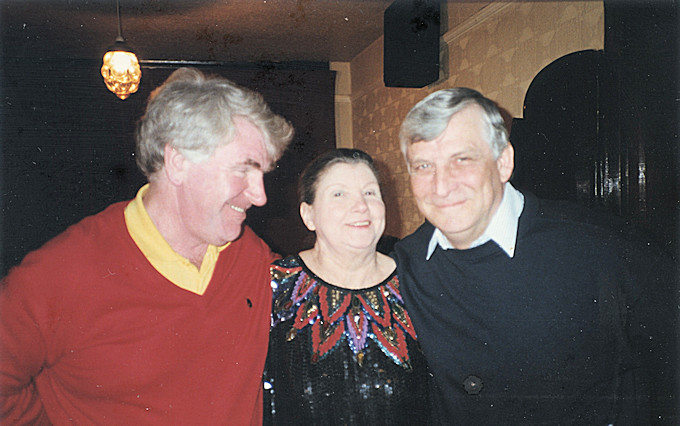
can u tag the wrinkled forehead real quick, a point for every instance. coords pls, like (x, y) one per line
(466, 128)
(251, 144)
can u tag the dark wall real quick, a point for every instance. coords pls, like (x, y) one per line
(68, 149)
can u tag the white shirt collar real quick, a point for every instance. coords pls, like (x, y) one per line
(502, 229)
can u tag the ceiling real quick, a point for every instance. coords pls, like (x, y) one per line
(193, 30)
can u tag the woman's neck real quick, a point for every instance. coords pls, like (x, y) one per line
(348, 270)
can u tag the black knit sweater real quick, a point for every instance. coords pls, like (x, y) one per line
(551, 336)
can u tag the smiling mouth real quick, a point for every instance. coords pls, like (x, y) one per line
(449, 204)
(362, 223)
(238, 209)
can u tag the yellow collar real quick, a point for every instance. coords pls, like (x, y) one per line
(162, 257)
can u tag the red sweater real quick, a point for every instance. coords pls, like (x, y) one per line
(90, 333)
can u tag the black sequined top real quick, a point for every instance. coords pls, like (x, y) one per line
(340, 356)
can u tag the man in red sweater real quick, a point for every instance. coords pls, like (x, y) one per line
(154, 311)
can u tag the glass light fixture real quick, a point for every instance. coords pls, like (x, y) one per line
(121, 69)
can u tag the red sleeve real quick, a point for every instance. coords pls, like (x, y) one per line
(32, 298)
(22, 351)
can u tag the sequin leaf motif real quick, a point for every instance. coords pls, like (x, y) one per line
(325, 337)
(308, 310)
(306, 315)
(303, 285)
(392, 342)
(282, 273)
(336, 314)
(357, 326)
(398, 311)
(334, 303)
(377, 307)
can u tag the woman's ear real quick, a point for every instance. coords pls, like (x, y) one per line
(307, 216)
(174, 164)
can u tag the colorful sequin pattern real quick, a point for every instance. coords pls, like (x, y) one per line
(336, 314)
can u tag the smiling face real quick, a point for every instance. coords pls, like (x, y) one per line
(348, 211)
(456, 181)
(214, 194)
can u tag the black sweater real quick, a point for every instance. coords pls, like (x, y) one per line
(551, 336)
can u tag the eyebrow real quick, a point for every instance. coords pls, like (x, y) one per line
(467, 151)
(256, 165)
(252, 163)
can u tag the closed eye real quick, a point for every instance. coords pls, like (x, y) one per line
(240, 170)
(247, 166)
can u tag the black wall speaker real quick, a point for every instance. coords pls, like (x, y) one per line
(411, 57)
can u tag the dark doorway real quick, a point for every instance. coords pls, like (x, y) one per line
(556, 142)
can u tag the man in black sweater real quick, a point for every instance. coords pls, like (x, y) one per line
(527, 314)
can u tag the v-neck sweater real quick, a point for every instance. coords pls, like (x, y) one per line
(91, 333)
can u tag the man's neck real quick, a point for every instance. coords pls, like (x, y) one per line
(161, 208)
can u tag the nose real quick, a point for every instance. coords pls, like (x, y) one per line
(255, 190)
(360, 204)
(443, 181)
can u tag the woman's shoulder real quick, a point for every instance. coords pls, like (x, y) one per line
(387, 264)
(285, 267)
(286, 274)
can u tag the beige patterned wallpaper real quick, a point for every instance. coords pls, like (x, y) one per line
(496, 47)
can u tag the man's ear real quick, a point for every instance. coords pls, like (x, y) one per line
(506, 163)
(307, 216)
(175, 164)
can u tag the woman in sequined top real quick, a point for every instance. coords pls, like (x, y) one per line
(342, 348)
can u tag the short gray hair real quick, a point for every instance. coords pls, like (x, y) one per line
(194, 113)
(429, 118)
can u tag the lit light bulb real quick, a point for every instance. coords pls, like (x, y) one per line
(121, 72)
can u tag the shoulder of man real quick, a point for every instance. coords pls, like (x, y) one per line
(612, 237)
(254, 245)
(417, 237)
(82, 238)
(414, 244)
(63, 263)
(596, 222)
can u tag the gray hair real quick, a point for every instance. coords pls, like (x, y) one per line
(429, 117)
(194, 113)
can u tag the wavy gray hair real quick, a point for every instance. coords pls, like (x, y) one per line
(429, 118)
(194, 112)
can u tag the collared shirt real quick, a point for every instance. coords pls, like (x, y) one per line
(502, 229)
(162, 257)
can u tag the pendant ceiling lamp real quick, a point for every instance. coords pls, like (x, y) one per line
(121, 70)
